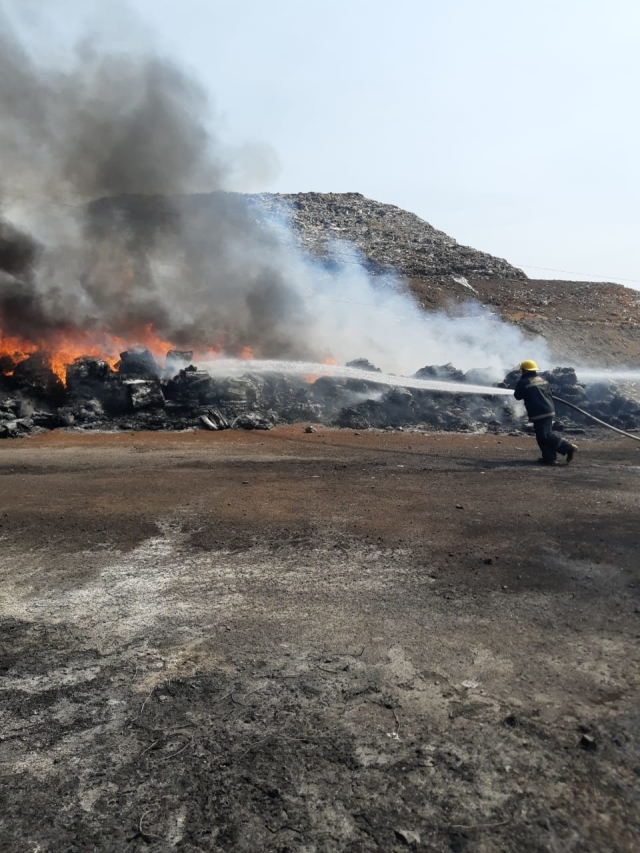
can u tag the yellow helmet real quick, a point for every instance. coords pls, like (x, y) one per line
(528, 365)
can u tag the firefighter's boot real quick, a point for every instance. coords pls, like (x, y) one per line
(571, 452)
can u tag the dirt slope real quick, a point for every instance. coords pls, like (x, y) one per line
(584, 323)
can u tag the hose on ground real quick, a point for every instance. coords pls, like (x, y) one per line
(595, 419)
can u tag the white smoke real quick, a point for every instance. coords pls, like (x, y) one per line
(355, 314)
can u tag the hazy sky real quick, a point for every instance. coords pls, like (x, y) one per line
(512, 126)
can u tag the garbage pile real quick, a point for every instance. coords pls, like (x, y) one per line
(385, 237)
(139, 394)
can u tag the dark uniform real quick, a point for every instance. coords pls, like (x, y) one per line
(535, 392)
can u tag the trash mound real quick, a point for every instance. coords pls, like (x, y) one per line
(385, 237)
(140, 394)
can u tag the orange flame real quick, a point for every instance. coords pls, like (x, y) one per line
(16, 348)
(311, 378)
(59, 349)
(62, 347)
(71, 345)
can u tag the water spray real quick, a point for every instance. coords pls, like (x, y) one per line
(227, 366)
(609, 374)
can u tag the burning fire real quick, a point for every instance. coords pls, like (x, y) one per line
(311, 378)
(63, 347)
(15, 348)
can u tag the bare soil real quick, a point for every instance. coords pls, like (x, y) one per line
(584, 323)
(318, 642)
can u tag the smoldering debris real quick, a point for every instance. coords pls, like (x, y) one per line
(141, 395)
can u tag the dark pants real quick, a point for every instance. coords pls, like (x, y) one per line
(549, 442)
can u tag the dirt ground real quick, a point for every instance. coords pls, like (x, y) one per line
(318, 642)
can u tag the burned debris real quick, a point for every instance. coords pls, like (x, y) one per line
(616, 403)
(137, 393)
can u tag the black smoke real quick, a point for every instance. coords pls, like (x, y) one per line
(114, 213)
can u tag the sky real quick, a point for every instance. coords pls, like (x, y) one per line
(512, 126)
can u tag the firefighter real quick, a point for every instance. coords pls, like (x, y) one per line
(535, 392)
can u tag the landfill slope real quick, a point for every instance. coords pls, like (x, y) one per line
(388, 238)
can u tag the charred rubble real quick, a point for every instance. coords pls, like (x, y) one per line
(616, 403)
(139, 394)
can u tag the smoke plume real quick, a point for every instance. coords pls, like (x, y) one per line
(115, 217)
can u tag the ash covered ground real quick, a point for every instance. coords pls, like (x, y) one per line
(274, 640)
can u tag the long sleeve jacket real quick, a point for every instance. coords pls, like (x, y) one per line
(536, 395)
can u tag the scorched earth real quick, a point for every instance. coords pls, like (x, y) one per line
(318, 642)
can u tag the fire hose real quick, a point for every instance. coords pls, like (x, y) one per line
(595, 419)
